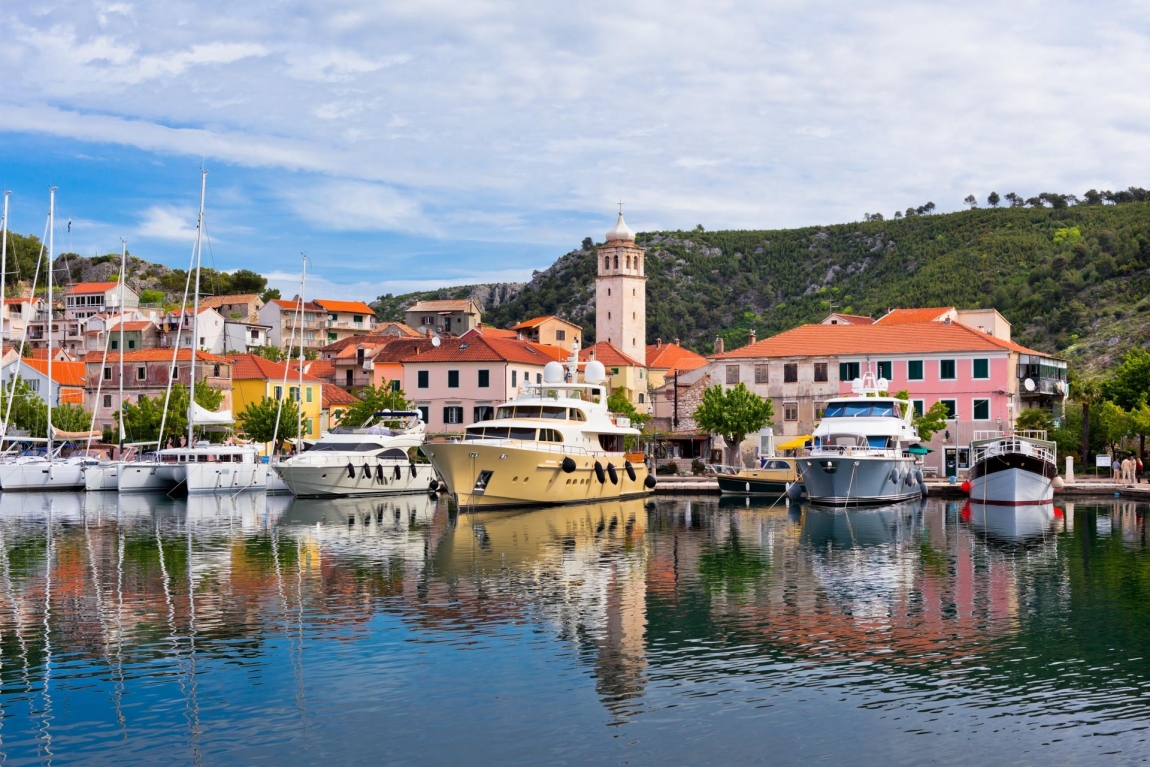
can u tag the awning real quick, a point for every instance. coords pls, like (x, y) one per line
(794, 444)
(201, 416)
(919, 450)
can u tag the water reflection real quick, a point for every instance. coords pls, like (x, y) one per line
(223, 629)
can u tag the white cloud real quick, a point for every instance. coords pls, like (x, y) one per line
(354, 206)
(164, 222)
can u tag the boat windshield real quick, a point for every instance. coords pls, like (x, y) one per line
(344, 447)
(537, 411)
(500, 432)
(863, 410)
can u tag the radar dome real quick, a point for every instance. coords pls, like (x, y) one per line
(553, 373)
(595, 373)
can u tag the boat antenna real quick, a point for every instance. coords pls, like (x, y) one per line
(4, 246)
(195, 341)
(172, 370)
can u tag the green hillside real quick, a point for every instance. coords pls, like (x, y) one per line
(1073, 279)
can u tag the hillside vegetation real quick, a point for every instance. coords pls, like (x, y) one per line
(1074, 279)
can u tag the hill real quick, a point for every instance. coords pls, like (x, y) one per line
(1073, 279)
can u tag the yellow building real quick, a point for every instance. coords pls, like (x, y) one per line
(254, 378)
(623, 372)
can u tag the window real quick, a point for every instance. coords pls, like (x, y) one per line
(484, 379)
(514, 378)
(886, 370)
(732, 374)
(308, 394)
(483, 413)
(34, 385)
(919, 407)
(307, 426)
(848, 371)
(395, 385)
(349, 378)
(641, 398)
(761, 375)
(981, 369)
(422, 379)
(539, 378)
(820, 372)
(359, 319)
(452, 379)
(279, 392)
(453, 414)
(202, 343)
(790, 411)
(914, 370)
(107, 400)
(141, 373)
(946, 370)
(131, 343)
(791, 372)
(332, 336)
(141, 397)
(107, 374)
(951, 407)
(820, 408)
(293, 391)
(560, 335)
(424, 413)
(981, 410)
(115, 344)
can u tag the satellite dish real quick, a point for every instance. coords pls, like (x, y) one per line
(435, 341)
(1028, 384)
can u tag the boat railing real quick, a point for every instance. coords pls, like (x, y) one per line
(332, 458)
(540, 447)
(1039, 449)
(857, 451)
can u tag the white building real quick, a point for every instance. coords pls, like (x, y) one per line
(244, 336)
(210, 328)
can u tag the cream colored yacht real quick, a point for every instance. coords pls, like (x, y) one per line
(554, 443)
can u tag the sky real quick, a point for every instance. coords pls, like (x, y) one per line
(408, 146)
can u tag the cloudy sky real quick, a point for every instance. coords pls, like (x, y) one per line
(409, 145)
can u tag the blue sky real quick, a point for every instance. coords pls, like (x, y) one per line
(415, 145)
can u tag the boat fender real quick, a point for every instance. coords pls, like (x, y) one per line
(599, 474)
(414, 471)
(919, 478)
(614, 475)
(398, 473)
(795, 491)
(350, 471)
(922, 489)
(379, 474)
(627, 467)
(649, 482)
(433, 485)
(366, 471)
(568, 465)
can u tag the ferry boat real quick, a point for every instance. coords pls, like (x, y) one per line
(1015, 469)
(372, 459)
(556, 443)
(861, 452)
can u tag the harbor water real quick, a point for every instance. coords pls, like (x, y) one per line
(248, 630)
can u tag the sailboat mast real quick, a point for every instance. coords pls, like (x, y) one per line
(299, 390)
(195, 345)
(4, 248)
(51, 263)
(120, 400)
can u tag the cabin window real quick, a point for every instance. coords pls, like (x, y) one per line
(914, 370)
(521, 432)
(484, 379)
(820, 372)
(946, 370)
(981, 369)
(577, 415)
(791, 372)
(550, 435)
(981, 409)
(848, 371)
(886, 369)
(732, 374)
(761, 376)
(790, 411)
(612, 443)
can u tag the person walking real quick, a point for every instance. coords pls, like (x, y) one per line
(1139, 469)
(1115, 469)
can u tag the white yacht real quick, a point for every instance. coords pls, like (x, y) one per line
(1014, 469)
(373, 459)
(555, 443)
(861, 452)
(202, 468)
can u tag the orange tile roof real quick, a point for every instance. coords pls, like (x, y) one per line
(537, 321)
(246, 367)
(404, 330)
(478, 348)
(490, 332)
(912, 316)
(402, 348)
(853, 340)
(71, 395)
(355, 307)
(855, 319)
(461, 305)
(333, 395)
(42, 354)
(316, 368)
(153, 355)
(129, 326)
(92, 287)
(63, 373)
(309, 306)
(351, 351)
(672, 357)
(609, 354)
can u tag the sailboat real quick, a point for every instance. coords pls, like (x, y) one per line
(47, 472)
(201, 467)
(105, 475)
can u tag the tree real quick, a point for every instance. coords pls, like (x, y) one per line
(911, 212)
(1114, 425)
(930, 422)
(929, 207)
(1092, 197)
(258, 421)
(993, 199)
(29, 412)
(272, 353)
(142, 419)
(270, 294)
(1035, 202)
(972, 201)
(373, 400)
(897, 215)
(588, 243)
(1140, 426)
(619, 404)
(733, 414)
(1034, 418)
(246, 281)
(1086, 393)
(1014, 200)
(152, 297)
(1129, 385)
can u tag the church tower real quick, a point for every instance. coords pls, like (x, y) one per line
(621, 293)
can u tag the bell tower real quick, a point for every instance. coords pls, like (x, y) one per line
(621, 292)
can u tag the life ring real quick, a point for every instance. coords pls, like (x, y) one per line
(599, 473)
(614, 475)
(627, 467)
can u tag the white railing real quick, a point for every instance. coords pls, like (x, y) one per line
(857, 451)
(1045, 452)
(542, 447)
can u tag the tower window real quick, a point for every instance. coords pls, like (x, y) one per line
(608, 315)
(608, 291)
(606, 262)
(628, 262)
(616, 262)
(632, 291)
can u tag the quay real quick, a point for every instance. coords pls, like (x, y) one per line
(675, 485)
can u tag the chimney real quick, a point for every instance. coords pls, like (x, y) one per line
(946, 320)
(658, 343)
(751, 336)
(676, 342)
(718, 345)
(427, 332)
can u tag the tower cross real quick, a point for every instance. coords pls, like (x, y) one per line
(620, 207)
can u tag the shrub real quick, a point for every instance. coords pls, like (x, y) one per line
(668, 468)
(698, 467)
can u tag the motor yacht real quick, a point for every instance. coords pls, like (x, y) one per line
(372, 459)
(1015, 469)
(554, 443)
(861, 452)
(775, 476)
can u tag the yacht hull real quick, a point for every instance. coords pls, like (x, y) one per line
(370, 477)
(149, 477)
(41, 476)
(104, 476)
(493, 475)
(1012, 480)
(217, 477)
(862, 480)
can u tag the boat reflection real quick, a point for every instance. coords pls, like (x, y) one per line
(834, 526)
(1024, 525)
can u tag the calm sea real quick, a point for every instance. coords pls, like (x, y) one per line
(260, 630)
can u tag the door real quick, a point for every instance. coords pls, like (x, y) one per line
(951, 461)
